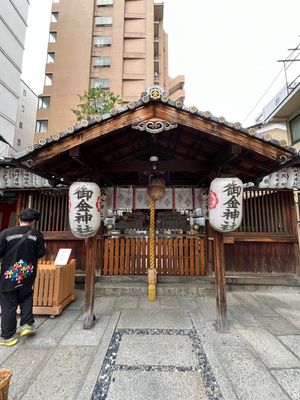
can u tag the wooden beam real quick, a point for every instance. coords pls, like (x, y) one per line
(88, 134)
(225, 133)
(89, 288)
(228, 153)
(219, 263)
(165, 165)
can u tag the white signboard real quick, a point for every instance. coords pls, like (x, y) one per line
(62, 257)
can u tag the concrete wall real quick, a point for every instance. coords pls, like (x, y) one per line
(13, 16)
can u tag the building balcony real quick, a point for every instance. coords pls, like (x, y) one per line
(176, 84)
(178, 95)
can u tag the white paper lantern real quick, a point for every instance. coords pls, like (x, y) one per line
(274, 178)
(282, 178)
(298, 178)
(18, 178)
(84, 209)
(2, 180)
(226, 204)
(103, 204)
(293, 177)
(264, 184)
(9, 177)
(27, 179)
(37, 181)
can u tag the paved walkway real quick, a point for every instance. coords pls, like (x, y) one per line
(164, 350)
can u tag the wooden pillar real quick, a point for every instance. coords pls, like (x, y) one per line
(89, 289)
(219, 262)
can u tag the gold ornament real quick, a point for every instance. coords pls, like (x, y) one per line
(113, 112)
(70, 129)
(84, 123)
(164, 98)
(221, 120)
(131, 105)
(30, 147)
(98, 117)
(252, 132)
(267, 137)
(42, 141)
(283, 143)
(55, 136)
(193, 110)
(145, 99)
(179, 104)
(155, 94)
(237, 125)
(207, 114)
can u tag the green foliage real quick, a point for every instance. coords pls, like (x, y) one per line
(96, 101)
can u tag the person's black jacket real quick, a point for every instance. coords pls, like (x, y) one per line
(18, 267)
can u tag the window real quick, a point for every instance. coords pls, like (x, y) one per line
(44, 102)
(50, 58)
(52, 37)
(22, 108)
(101, 62)
(21, 125)
(102, 41)
(24, 92)
(103, 83)
(18, 142)
(104, 3)
(41, 126)
(103, 21)
(295, 129)
(54, 16)
(48, 79)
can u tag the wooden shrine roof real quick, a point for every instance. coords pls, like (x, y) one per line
(192, 146)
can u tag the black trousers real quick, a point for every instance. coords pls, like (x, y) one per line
(21, 296)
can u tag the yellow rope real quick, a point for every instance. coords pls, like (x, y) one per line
(152, 233)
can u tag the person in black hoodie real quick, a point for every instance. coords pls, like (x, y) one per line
(20, 249)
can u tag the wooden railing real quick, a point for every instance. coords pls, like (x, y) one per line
(175, 256)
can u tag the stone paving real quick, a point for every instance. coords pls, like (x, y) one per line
(164, 350)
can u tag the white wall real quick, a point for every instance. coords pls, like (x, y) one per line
(13, 16)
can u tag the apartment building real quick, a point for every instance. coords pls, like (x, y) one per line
(13, 17)
(119, 45)
(25, 121)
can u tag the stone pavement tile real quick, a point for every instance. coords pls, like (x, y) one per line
(253, 304)
(292, 342)
(278, 326)
(78, 303)
(289, 379)
(164, 350)
(156, 385)
(208, 334)
(188, 304)
(147, 319)
(25, 365)
(250, 378)
(87, 387)
(231, 300)
(77, 336)
(292, 299)
(144, 303)
(126, 302)
(292, 315)
(208, 307)
(104, 304)
(6, 352)
(52, 330)
(63, 375)
(273, 300)
(272, 353)
(169, 302)
(242, 317)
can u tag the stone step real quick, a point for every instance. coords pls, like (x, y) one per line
(192, 286)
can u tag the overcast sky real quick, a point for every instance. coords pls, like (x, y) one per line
(227, 50)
